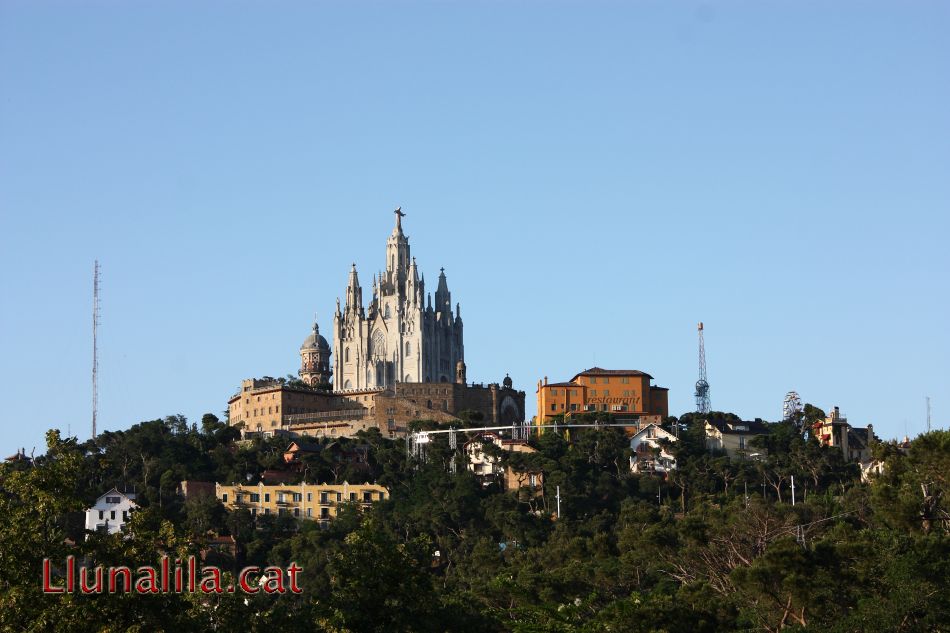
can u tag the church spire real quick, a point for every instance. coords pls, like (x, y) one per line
(443, 298)
(354, 294)
(397, 257)
(412, 284)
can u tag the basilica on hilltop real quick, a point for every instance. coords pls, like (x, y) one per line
(401, 336)
(401, 357)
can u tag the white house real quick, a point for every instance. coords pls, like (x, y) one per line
(489, 468)
(478, 462)
(110, 512)
(649, 453)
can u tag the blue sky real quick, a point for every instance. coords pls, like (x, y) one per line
(596, 178)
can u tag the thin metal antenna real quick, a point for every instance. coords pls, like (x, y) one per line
(95, 347)
(928, 414)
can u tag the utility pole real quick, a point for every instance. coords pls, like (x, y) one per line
(559, 503)
(799, 530)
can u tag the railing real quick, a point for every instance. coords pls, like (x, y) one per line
(325, 416)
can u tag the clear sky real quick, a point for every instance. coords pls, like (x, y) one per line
(595, 178)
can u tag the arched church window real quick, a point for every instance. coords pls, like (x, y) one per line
(407, 348)
(379, 344)
(348, 385)
(346, 354)
(386, 313)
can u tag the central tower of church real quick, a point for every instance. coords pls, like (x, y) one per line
(401, 336)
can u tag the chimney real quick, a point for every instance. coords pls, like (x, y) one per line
(545, 380)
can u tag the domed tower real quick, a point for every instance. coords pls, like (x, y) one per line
(315, 359)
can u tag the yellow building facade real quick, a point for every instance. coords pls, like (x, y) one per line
(625, 393)
(316, 502)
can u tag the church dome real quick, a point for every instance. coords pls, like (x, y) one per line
(315, 341)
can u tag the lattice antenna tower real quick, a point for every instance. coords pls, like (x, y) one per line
(95, 346)
(702, 385)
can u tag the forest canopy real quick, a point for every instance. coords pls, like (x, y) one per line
(716, 545)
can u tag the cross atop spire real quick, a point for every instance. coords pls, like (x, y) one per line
(399, 216)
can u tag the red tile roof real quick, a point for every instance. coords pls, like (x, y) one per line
(600, 371)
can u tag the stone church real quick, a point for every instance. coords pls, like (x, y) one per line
(398, 359)
(401, 336)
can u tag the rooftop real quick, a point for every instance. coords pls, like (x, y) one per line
(739, 427)
(600, 371)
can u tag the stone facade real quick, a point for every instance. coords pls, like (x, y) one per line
(315, 360)
(400, 359)
(269, 407)
(262, 405)
(401, 336)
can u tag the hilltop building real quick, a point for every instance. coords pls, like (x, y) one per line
(269, 406)
(625, 393)
(319, 502)
(855, 443)
(650, 454)
(402, 336)
(20, 457)
(315, 360)
(488, 468)
(401, 358)
(110, 512)
(734, 437)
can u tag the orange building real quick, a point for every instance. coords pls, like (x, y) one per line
(625, 393)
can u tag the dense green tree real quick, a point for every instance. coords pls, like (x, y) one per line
(714, 545)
